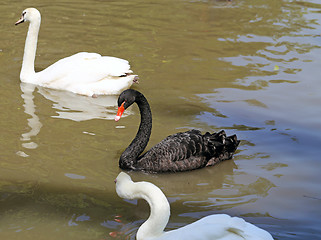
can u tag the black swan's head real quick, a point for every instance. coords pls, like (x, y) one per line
(125, 99)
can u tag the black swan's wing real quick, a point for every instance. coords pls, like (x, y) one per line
(187, 151)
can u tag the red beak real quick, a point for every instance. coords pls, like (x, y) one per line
(121, 109)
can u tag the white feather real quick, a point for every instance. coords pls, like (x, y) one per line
(213, 227)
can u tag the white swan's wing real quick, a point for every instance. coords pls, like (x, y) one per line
(219, 227)
(86, 67)
(74, 73)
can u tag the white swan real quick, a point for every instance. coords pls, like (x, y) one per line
(219, 226)
(83, 73)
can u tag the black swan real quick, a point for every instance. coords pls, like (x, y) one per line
(179, 152)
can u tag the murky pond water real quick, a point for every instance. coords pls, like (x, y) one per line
(250, 67)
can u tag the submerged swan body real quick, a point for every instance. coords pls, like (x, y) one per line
(213, 227)
(82, 73)
(182, 151)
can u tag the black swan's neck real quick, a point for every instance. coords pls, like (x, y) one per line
(130, 156)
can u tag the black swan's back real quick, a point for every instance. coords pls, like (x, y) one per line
(186, 151)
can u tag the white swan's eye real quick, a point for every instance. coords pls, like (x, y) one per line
(23, 14)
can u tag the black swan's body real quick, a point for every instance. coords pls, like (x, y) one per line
(182, 151)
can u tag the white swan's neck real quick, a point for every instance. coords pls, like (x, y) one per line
(28, 62)
(159, 207)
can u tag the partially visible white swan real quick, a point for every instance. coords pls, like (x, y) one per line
(214, 227)
(83, 73)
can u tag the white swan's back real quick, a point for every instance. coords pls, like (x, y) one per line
(99, 67)
(87, 74)
(83, 73)
(218, 227)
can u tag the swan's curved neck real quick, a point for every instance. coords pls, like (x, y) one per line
(28, 62)
(159, 211)
(130, 156)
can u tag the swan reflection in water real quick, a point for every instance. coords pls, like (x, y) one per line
(67, 105)
(33, 122)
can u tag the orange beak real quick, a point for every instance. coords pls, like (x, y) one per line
(21, 20)
(121, 109)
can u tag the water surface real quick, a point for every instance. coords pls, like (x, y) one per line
(249, 67)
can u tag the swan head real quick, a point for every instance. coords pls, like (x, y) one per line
(29, 14)
(124, 185)
(125, 99)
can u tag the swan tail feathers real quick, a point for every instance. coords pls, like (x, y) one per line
(220, 147)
